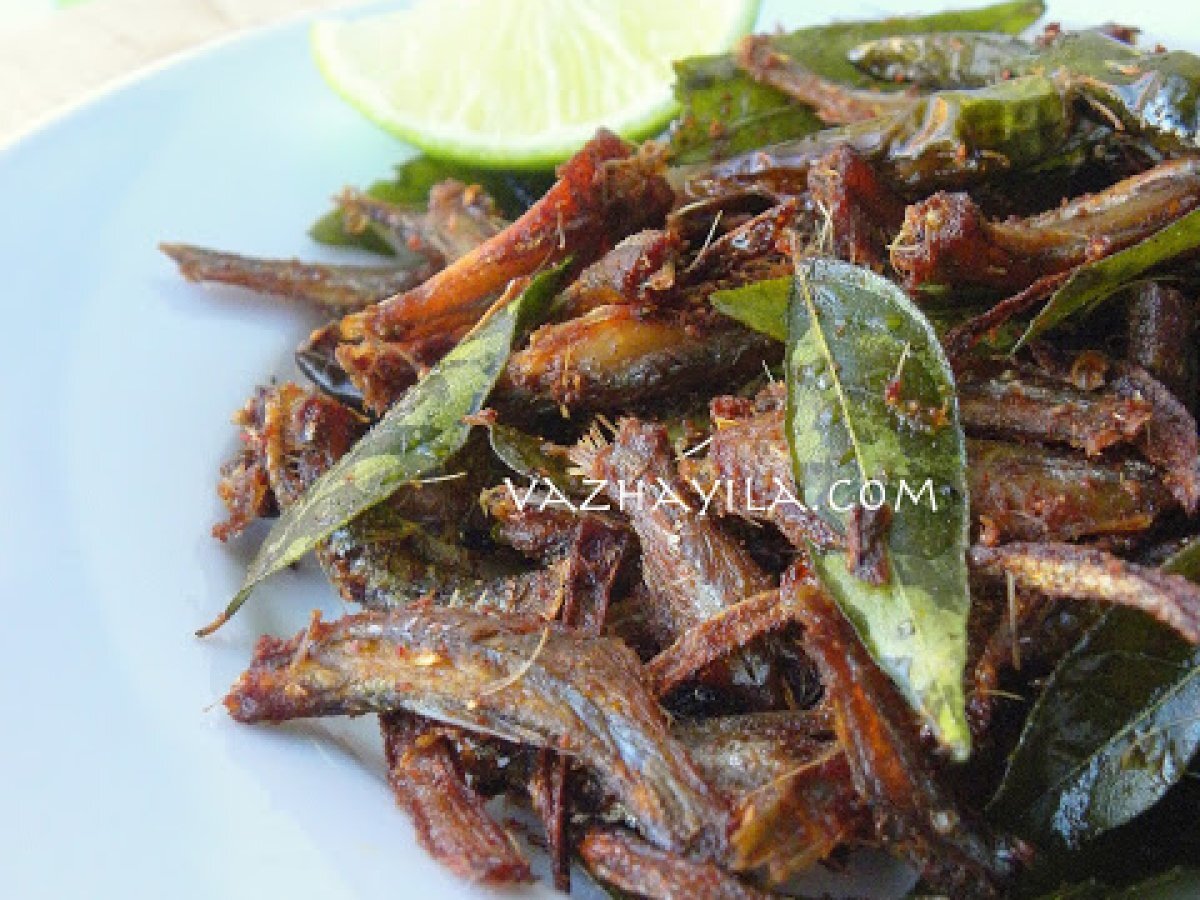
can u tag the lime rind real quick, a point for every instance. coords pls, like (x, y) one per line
(372, 93)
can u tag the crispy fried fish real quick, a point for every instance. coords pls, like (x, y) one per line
(518, 678)
(912, 810)
(449, 816)
(947, 240)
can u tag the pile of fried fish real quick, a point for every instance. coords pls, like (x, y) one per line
(607, 461)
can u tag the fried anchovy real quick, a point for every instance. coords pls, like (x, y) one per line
(696, 569)
(693, 569)
(295, 435)
(1023, 492)
(942, 140)
(593, 561)
(863, 212)
(739, 754)
(458, 219)
(1011, 399)
(749, 451)
(395, 553)
(716, 638)
(383, 561)
(531, 524)
(617, 357)
(834, 103)
(794, 800)
(379, 371)
(947, 240)
(602, 194)
(289, 437)
(766, 235)
(788, 782)
(518, 678)
(1018, 491)
(799, 818)
(548, 789)
(448, 815)
(639, 267)
(338, 289)
(866, 543)
(1170, 439)
(1162, 338)
(961, 339)
(1072, 572)
(913, 812)
(622, 860)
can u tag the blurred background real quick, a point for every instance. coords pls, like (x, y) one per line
(56, 52)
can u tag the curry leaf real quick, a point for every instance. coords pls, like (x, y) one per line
(1152, 94)
(526, 455)
(1176, 884)
(1095, 282)
(412, 440)
(826, 49)
(1114, 728)
(726, 112)
(761, 305)
(871, 401)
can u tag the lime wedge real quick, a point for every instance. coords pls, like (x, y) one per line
(521, 83)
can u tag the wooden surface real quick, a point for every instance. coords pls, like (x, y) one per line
(53, 58)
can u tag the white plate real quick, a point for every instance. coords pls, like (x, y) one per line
(119, 778)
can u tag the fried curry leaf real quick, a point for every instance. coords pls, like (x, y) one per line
(945, 60)
(1113, 730)
(1157, 95)
(526, 455)
(726, 112)
(1175, 884)
(1186, 561)
(412, 440)
(872, 416)
(940, 60)
(514, 192)
(1095, 282)
(761, 305)
(1153, 94)
(826, 49)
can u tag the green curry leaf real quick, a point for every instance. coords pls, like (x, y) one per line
(526, 455)
(1095, 282)
(761, 305)
(725, 112)
(1176, 884)
(1152, 94)
(871, 400)
(1113, 730)
(412, 440)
